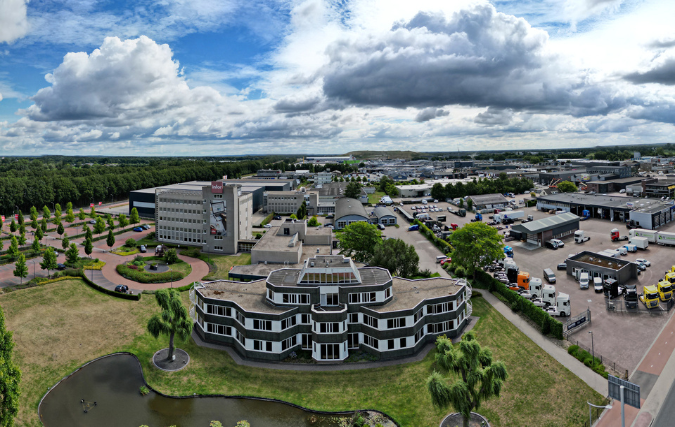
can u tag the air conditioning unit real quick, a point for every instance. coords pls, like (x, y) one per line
(311, 264)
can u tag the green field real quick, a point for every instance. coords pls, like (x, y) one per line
(60, 326)
(375, 197)
(223, 264)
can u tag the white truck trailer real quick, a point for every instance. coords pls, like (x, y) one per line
(509, 214)
(562, 306)
(580, 237)
(639, 242)
(664, 238)
(650, 235)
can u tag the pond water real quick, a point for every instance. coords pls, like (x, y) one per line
(113, 383)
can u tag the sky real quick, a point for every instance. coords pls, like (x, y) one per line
(231, 77)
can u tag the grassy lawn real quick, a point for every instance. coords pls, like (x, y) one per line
(375, 197)
(223, 264)
(178, 271)
(60, 326)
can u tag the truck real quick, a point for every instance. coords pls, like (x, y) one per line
(665, 238)
(441, 218)
(562, 307)
(534, 291)
(630, 248)
(477, 217)
(580, 237)
(630, 296)
(508, 251)
(639, 242)
(511, 270)
(665, 289)
(460, 212)
(650, 235)
(616, 236)
(585, 214)
(509, 215)
(547, 297)
(649, 296)
(522, 282)
(454, 226)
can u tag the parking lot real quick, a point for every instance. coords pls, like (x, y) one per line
(624, 338)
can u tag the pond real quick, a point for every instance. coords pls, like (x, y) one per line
(108, 389)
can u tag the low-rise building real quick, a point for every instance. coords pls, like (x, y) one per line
(331, 308)
(348, 211)
(283, 202)
(554, 227)
(599, 265)
(382, 215)
(489, 201)
(287, 243)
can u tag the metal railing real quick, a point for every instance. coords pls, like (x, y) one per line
(618, 305)
(576, 323)
(610, 364)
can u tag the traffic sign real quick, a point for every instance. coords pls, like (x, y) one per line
(631, 392)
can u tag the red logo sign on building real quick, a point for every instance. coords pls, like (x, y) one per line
(216, 187)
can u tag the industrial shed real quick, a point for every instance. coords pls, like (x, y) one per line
(554, 227)
(489, 201)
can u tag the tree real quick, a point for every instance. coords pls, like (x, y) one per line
(469, 204)
(13, 249)
(293, 216)
(33, 213)
(89, 247)
(302, 210)
(88, 234)
(392, 191)
(34, 224)
(480, 378)
(21, 218)
(122, 219)
(60, 230)
(57, 214)
(65, 242)
(48, 260)
(438, 191)
(81, 215)
(20, 267)
(461, 203)
(10, 377)
(99, 227)
(476, 245)
(110, 240)
(313, 222)
(133, 216)
(173, 320)
(22, 228)
(39, 234)
(111, 222)
(567, 187)
(171, 256)
(35, 246)
(353, 190)
(69, 206)
(397, 257)
(22, 239)
(12, 226)
(72, 254)
(70, 216)
(43, 224)
(358, 240)
(130, 243)
(92, 212)
(46, 213)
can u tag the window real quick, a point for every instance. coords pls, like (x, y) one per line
(262, 325)
(305, 319)
(437, 328)
(218, 237)
(362, 297)
(387, 293)
(419, 335)
(391, 344)
(268, 346)
(288, 343)
(328, 328)
(330, 351)
(370, 321)
(218, 329)
(353, 340)
(332, 299)
(240, 338)
(241, 319)
(399, 322)
(295, 298)
(217, 248)
(438, 308)
(306, 341)
(401, 342)
(288, 322)
(218, 310)
(257, 345)
(270, 294)
(418, 315)
(370, 341)
(353, 317)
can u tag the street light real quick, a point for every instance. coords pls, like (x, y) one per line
(592, 347)
(590, 411)
(171, 275)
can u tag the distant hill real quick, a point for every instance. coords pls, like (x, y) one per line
(374, 155)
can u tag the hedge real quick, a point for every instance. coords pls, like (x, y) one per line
(143, 277)
(38, 281)
(587, 359)
(548, 324)
(441, 244)
(109, 292)
(267, 219)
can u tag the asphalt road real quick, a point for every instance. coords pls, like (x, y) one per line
(666, 416)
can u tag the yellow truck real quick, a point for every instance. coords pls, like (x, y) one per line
(650, 296)
(670, 277)
(665, 289)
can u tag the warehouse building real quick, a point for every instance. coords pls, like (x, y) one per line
(348, 211)
(555, 227)
(659, 188)
(489, 201)
(598, 265)
(612, 185)
(329, 307)
(382, 215)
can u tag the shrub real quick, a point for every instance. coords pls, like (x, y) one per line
(171, 256)
(144, 390)
(215, 424)
(139, 258)
(141, 276)
(243, 423)
(573, 350)
(130, 243)
(460, 271)
(476, 294)
(515, 306)
(191, 252)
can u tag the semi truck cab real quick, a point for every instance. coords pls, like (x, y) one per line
(665, 290)
(631, 296)
(650, 296)
(562, 306)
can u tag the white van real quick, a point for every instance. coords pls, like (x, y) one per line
(440, 258)
(583, 280)
(597, 285)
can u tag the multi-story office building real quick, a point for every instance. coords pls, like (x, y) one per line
(329, 307)
(283, 202)
(324, 177)
(215, 217)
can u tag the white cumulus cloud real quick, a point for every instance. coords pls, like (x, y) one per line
(13, 21)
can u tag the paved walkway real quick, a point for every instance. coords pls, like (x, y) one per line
(327, 366)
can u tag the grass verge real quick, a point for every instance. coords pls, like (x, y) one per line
(375, 197)
(60, 326)
(224, 263)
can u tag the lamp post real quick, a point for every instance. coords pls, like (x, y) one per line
(592, 346)
(171, 275)
(590, 411)
(33, 262)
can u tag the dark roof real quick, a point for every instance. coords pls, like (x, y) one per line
(345, 206)
(613, 202)
(546, 224)
(381, 211)
(489, 199)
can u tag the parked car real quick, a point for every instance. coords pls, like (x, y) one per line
(549, 275)
(597, 285)
(559, 242)
(143, 249)
(268, 226)
(562, 266)
(60, 266)
(122, 289)
(643, 261)
(641, 266)
(92, 221)
(551, 244)
(138, 229)
(145, 227)
(584, 280)
(447, 260)
(279, 217)
(380, 226)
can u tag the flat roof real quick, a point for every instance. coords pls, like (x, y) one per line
(600, 260)
(546, 224)
(613, 202)
(248, 295)
(275, 240)
(489, 199)
(290, 276)
(618, 180)
(408, 294)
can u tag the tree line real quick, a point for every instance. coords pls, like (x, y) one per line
(503, 184)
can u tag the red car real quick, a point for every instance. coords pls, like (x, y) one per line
(448, 260)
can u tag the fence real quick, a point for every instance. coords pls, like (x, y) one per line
(618, 305)
(576, 323)
(618, 370)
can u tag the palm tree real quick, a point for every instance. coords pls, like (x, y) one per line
(480, 377)
(174, 318)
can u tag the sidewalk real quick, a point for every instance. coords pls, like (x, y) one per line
(595, 381)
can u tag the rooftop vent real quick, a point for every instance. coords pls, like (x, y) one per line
(311, 264)
(317, 251)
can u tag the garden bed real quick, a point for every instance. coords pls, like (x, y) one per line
(135, 270)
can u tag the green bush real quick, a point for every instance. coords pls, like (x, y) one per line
(141, 276)
(573, 350)
(460, 271)
(191, 252)
(515, 306)
(476, 294)
(267, 219)
(130, 243)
